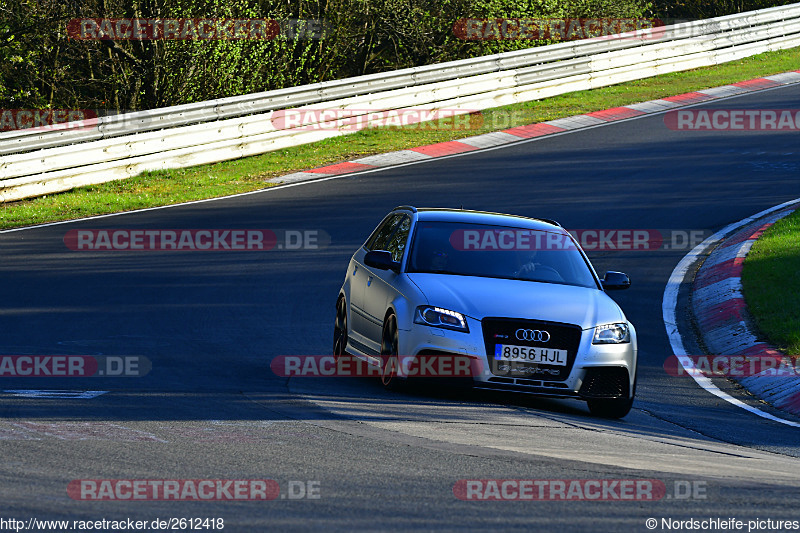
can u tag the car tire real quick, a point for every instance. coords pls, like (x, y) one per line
(610, 408)
(340, 330)
(389, 355)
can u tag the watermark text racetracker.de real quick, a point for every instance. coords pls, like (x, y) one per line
(557, 29)
(196, 29)
(733, 120)
(579, 490)
(426, 366)
(772, 365)
(73, 366)
(196, 239)
(192, 490)
(588, 239)
(347, 119)
(36, 120)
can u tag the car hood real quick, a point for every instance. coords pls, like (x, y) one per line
(483, 297)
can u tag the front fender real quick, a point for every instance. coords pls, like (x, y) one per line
(405, 302)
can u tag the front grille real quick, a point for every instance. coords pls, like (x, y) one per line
(502, 331)
(605, 382)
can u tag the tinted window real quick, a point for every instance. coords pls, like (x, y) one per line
(380, 237)
(397, 242)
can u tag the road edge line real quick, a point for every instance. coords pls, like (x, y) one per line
(669, 309)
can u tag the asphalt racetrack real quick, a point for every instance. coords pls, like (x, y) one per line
(346, 454)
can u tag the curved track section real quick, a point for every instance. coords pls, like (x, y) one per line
(210, 322)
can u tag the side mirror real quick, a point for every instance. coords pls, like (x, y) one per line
(382, 260)
(615, 281)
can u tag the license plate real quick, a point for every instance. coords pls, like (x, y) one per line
(530, 354)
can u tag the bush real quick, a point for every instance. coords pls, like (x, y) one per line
(40, 66)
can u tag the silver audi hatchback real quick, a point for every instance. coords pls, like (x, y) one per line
(515, 296)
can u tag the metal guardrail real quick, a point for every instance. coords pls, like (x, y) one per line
(34, 163)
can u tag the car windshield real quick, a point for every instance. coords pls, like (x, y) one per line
(498, 252)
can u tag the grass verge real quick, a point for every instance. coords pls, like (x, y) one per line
(771, 283)
(165, 187)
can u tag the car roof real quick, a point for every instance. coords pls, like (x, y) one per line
(466, 216)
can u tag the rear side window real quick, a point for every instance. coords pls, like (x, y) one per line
(381, 236)
(397, 242)
(391, 236)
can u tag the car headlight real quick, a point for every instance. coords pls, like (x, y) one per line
(612, 334)
(440, 318)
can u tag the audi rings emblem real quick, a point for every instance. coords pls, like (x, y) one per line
(533, 335)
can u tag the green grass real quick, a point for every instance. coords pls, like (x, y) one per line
(771, 280)
(208, 181)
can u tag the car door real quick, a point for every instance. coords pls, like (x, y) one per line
(361, 324)
(381, 284)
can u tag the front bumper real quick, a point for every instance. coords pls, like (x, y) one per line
(594, 370)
